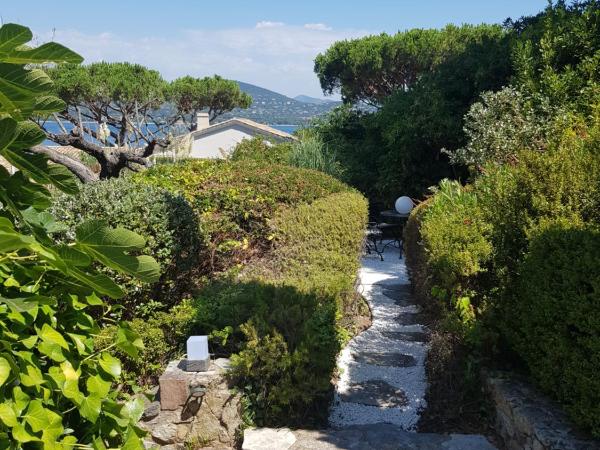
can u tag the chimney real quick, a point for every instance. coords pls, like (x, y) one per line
(202, 121)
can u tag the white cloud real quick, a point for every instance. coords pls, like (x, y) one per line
(277, 57)
(317, 26)
(268, 24)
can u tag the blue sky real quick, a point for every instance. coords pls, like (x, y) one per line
(265, 42)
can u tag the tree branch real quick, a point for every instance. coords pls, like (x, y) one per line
(77, 167)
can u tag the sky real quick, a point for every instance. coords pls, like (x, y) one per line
(268, 43)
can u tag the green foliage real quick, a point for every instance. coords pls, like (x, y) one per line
(554, 317)
(286, 308)
(56, 386)
(257, 149)
(310, 152)
(456, 235)
(397, 149)
(235, 200)
(164, 335)
(166, 221)
(558, 53)
(215, 94)
(501, 124)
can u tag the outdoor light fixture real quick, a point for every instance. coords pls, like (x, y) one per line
(198, 358)
(404, 205)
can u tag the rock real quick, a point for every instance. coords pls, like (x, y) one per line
(525, 419)
(151, 411)
(375, 393)
(174, 387)
(385, 359)
(268, 439)
(164, 433)
(411, 336)
(223, 363)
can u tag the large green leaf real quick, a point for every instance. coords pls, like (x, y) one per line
(49, 334)
(13, 35)
(7, 414)
(28, 135)
(48, 104)
(128, 341)
(110, 365)
(108, 245)
(19, 88)
(90, 407)
(98, 282)
(8, 131)
(37, 167)
(4, 370)
(48, 52)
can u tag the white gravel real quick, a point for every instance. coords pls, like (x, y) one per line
(375, 277)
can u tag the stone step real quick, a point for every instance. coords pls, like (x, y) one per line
(359, 437)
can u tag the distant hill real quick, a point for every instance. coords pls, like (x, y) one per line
(314, 100)
(277, 109)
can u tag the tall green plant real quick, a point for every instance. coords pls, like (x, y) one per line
(55, 387)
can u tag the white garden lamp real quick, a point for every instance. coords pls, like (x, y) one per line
(198, 358)
(404, 205)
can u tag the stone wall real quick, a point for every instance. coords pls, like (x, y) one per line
(526, 420)
(194, 410)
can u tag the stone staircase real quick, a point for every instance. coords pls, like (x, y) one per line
(382, 378)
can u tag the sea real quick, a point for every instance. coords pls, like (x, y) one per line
(53, 127)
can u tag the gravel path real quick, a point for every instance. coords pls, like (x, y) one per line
(382, 372)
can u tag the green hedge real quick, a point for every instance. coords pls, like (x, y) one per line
(164, 219)
(555, 316)
(286, 309)
(235, 200)
(481, 244)
(294, 237)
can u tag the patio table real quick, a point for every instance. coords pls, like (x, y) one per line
(387, 232)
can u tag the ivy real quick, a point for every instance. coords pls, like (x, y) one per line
(55, 385)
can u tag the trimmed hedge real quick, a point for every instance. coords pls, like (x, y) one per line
(484, 258)
(286, 310)
(164, 219)
(555, 316)
(235, 200)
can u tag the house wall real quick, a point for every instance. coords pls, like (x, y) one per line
(213, 145)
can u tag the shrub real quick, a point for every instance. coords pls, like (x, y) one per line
(501, 124)
(286, 309)
(310, 152)
(55, 384)
(235, 200)
(258, 149)
(166, 221)
(554, 317)
(163, 335)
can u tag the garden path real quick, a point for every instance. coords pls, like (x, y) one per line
(382, 381)
(382, 370)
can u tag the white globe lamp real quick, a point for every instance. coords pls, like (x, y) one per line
(404, 205)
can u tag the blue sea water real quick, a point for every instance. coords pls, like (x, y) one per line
(286, 128)
(54, 128)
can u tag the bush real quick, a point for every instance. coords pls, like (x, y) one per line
(310, 152)
(286, 309)
(257, 149)
(163, 335)
(165, 220)
(501, 124)
(235, 200)
(554, 318)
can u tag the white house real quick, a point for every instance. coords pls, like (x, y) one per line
(218, 140)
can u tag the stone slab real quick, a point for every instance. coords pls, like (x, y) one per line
(385, 359)
(363, 437)
(268, 439)
(375, 393)
(411, 336)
